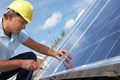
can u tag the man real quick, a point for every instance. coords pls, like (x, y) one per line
(19, 13)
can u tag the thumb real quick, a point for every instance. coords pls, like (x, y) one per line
(59, 58)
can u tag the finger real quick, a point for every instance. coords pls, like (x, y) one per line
(29, 67)
(35, 65)
(69, 55)
(64, 51)
(59, 58)
(60, 53)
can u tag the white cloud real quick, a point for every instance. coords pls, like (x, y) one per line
(69, 24)
(52, 21)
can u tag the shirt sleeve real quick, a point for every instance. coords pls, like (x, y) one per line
(23, 36)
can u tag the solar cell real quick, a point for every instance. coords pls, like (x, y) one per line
(95, 37)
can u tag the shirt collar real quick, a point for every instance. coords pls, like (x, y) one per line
(2, 34)
(1, 28)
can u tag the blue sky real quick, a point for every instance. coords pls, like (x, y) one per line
(50, 16)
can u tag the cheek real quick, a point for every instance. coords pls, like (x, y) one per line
(14, 24)
(14, 21)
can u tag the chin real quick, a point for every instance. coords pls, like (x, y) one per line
(16, 32)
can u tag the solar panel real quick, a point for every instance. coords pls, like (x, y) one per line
(95, 37)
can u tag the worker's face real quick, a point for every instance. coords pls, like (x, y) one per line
(17, 23)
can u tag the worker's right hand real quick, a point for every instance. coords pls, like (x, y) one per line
(28, 64)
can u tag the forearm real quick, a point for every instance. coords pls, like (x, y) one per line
(44, 50)
(39, 47)
(48, 51)
(7, 65)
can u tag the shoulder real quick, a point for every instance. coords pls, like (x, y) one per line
(22, 33)
(23, 36)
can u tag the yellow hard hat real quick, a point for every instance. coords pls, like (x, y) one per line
(24, 8)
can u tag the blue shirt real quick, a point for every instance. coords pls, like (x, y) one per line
(8, 45)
